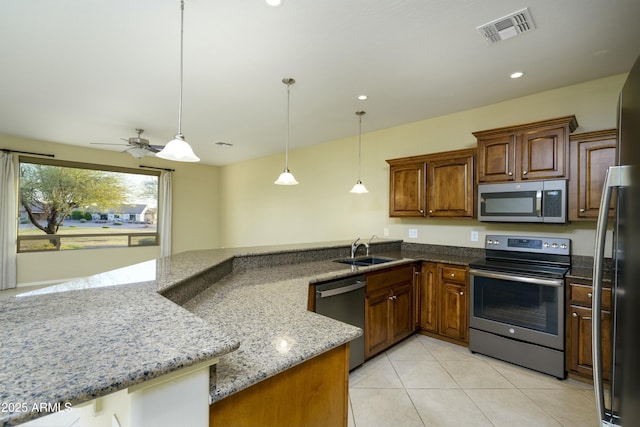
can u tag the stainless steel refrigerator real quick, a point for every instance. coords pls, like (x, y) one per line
(619, 403)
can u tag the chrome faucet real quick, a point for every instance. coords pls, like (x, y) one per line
(355, 245)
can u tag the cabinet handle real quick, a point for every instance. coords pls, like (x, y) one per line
(453, 275)
(510, 174)
(430, 211)
(461, 293)
(582, 210)
(421, 210)
(590, 295)
(524, 172)
(574, 314)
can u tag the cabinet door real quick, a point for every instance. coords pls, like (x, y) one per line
(428, 298)
(450, 187)
(543, 153)
(591, 154)
(496, 158)
(453, 310)
(401, 312)
(580, 341)
(377, 324)
(407, 190)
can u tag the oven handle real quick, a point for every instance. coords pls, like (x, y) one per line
(556, 283)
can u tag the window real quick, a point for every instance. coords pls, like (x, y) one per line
(64, 205)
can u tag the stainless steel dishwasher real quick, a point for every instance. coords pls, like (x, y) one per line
(343, 300)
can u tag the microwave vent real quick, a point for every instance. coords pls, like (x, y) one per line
(507, 26)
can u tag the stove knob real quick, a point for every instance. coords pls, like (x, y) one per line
(563, 246)
(546, 245)
(554, 246)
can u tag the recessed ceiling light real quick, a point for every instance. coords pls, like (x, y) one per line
(274, 3)
(517, 75)
(362, 97)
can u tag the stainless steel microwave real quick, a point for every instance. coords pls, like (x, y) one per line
(529, 201)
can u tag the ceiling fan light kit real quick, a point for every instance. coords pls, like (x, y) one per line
(178, 149)
(286, 177)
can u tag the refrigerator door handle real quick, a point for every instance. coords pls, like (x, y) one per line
(616, 176)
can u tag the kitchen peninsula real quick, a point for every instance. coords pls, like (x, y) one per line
(246, 310)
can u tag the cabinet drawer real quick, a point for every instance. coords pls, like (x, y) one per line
(454, 274)
(389, 278)
(582, 294)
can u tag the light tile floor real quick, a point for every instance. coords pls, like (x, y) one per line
(427, 382)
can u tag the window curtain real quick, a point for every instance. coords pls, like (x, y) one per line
(8, 222)
(164, 227)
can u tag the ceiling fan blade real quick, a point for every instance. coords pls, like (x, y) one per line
(104, 143)
(155, 148)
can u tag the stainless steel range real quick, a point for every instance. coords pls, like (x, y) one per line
(517, 302)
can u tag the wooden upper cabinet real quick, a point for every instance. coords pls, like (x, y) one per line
(433, 185)
(591, 154)
(537, 150)
(543, 153)
(407, 189)
(450, 190)
(497, 158)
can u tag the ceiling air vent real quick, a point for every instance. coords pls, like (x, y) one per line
(507, 26)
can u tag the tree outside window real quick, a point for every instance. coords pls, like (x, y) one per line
(74, 206)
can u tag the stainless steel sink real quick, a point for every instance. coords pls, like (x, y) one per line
(364, 261)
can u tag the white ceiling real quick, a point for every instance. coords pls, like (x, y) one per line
(85, 71)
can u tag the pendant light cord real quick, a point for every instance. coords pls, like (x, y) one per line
(360, 148)
(360, 114)
(181, 66)
(286, 151)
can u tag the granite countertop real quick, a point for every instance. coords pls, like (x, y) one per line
(73, 342)
(76, 341)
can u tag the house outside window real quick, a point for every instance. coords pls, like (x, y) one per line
(68, 206)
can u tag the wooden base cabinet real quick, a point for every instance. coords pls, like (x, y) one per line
(579, 335)
(389, 305)
(313, 394)
(444, 301)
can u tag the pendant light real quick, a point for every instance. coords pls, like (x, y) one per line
(359, 188)
(178, 149)
(286, 177)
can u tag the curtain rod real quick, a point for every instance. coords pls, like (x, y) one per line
(160, 169)
(6, 150)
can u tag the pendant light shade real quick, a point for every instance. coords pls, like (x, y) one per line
(178, 149)
(286, 177)
(359, 188)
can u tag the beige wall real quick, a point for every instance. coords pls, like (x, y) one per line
(257, 212)
(238, 205)
(195, 215)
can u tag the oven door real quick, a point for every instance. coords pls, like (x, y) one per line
(521, 307)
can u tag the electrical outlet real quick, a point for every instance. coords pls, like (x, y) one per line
(413, 233)
(474, 236)
(385, 232)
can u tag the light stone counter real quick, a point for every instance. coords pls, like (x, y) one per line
(87, 338)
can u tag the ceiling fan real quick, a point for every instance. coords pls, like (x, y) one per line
(138, 147)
